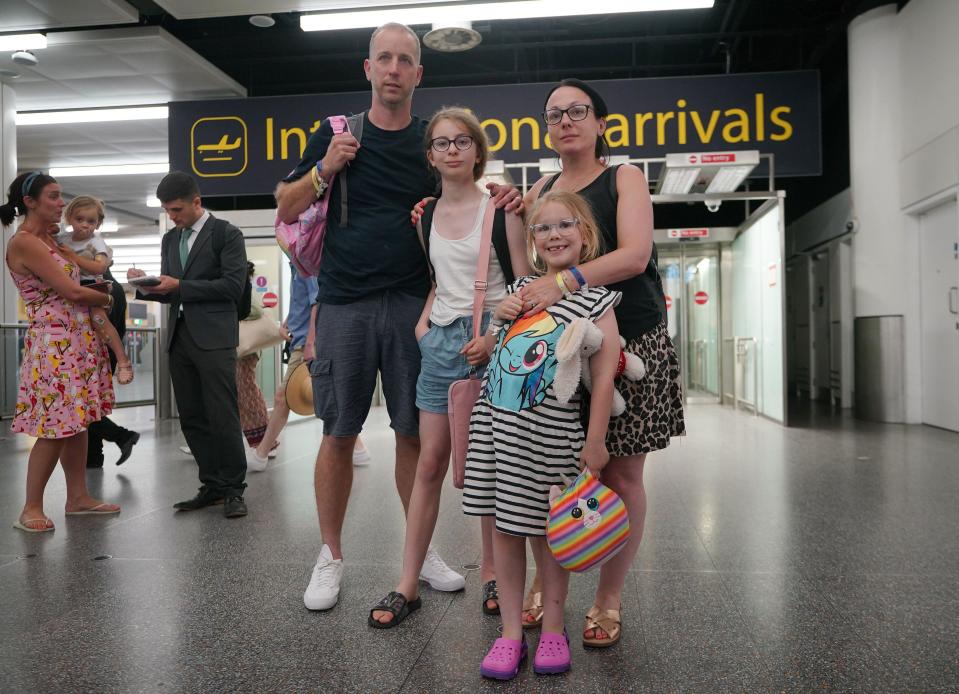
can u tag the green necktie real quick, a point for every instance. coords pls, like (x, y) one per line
(184, 248)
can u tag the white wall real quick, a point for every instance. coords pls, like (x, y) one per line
(8, 171)
(904, 156)
(757, 307)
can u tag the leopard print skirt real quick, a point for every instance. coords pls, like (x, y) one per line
(654, 404)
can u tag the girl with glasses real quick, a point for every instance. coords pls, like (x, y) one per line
(575, 115)
(524, 439)
(450, 229)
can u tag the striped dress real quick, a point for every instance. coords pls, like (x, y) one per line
(522, 439)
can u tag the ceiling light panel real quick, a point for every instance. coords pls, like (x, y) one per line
(109, 170)
(96, 115)
(486, 11)
(22, 42)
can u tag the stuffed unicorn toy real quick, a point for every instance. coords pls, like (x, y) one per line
(581, 340)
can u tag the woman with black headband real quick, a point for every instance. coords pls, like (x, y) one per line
(65, 382)
(575, 116)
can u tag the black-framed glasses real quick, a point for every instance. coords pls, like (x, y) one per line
(564, 226)
(553, 116)
(462, 142)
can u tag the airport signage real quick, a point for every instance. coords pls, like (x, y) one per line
(700, 233)
(244, 146)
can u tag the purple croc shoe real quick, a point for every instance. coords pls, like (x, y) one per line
(504, 659)
(552, 654)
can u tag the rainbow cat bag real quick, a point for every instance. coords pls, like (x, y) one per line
(587, 523)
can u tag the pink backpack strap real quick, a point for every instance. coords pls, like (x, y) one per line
(482, 269)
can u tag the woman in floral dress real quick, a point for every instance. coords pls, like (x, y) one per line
(65, 381)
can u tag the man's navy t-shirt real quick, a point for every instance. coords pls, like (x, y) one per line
(378, 249)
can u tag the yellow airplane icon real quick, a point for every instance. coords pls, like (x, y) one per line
(221, 146)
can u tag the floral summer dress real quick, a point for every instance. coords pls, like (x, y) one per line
(65, 381)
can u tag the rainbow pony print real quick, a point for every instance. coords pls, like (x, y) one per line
(587, 523)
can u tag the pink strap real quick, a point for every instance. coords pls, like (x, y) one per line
(482, 269)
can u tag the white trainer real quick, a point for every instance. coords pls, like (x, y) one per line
(361, 457)
(254, 462)
(440, 576)
(324, 588)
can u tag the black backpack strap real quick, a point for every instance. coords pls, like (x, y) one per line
(355, 124)
(501, 245)
(423, 228)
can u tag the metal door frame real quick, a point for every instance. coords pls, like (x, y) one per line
(681, 251)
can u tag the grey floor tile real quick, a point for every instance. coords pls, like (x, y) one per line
(773, 560)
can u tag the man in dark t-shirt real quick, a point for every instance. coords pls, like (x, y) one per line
(373, 283)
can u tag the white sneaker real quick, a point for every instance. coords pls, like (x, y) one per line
(186, 449)
(439, 575)
(254, 463)
(324, 588)
(361, 457)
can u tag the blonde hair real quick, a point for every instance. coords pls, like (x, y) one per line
(472, 125)
(579, 207)
(81, 202)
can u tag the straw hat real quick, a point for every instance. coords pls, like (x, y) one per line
(299, 390)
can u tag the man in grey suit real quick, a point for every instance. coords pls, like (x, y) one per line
(203, 274)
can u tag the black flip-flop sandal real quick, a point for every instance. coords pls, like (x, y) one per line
(490, 593)
(397, 605)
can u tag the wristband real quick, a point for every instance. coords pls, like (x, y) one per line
(319, 185)
(562, 285)
(578, 276)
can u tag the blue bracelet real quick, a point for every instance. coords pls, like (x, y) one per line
(578, 276)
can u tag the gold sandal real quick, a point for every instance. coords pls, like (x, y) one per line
(532, 608)
(125, 374)
(609, 621)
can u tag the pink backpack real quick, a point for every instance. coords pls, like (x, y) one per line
(302, 240)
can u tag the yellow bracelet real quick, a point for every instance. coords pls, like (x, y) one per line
(562, 285)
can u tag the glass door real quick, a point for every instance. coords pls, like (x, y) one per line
(691, 284)
(701, 291)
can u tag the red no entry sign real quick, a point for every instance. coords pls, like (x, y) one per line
(669, 302)
(270, 300)
(700, 298)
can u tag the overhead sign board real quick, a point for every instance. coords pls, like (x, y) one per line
(244, 146)
(700, 233)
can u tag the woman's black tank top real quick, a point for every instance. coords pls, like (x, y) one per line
(643, 306)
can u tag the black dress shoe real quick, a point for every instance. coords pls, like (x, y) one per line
(126, 448)
(203, 499)
(234, 507)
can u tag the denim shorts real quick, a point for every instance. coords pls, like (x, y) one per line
(442, 363)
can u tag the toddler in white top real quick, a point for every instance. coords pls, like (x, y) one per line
(92, 256)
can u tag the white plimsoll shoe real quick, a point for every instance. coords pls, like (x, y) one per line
(255, 463)
(439, 575)
(324, 588)
(361, 457)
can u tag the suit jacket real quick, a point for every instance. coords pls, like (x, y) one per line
(211, 285)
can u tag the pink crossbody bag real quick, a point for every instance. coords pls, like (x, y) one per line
(464, 393)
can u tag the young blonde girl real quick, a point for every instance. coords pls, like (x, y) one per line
(523, 439)
(88, 251)
(457, 149)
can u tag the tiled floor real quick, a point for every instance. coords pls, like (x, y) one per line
(821, 558)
